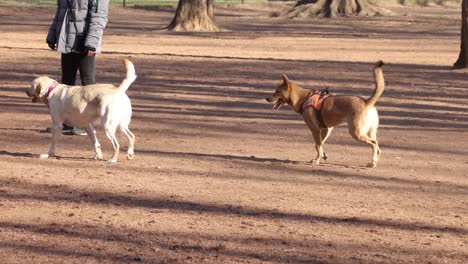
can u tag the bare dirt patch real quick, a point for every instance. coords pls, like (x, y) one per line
(218, 176)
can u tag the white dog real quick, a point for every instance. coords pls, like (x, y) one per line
(80, 106)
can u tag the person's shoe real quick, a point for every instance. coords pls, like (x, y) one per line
(66, 130)
(78, 132)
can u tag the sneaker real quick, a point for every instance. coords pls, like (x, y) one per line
(78, 132)
(66, 130)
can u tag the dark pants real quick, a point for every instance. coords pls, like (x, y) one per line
(72, 62)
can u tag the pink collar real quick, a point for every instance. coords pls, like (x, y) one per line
(51, 88)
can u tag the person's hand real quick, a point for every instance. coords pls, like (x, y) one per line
(90, 51)
(52, 46)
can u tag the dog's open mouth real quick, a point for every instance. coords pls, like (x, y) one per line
(278, 104)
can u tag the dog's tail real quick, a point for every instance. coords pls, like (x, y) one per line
(129, 78)
(379, 84)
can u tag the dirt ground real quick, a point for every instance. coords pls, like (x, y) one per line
(219, 177)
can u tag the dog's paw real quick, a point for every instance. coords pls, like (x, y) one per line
(372, 164)
(98, 157)
(325, 157)
(315, 161)
(130, 156)
(44, 156)
(112, 161)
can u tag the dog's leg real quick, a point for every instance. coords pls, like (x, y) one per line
(92, 136)
(110, 133)
(131, 141)
(325, 133)
(312, 123)
(363, 137)
(375, 149)
(56, 131)
(376, 154)
(363, 127)
(318, 146)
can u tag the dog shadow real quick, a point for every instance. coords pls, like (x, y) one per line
(17, 154)
(346, 166)
(68, 158)
(252, 158)
(21, 129)
(37, 156)
(333, 165)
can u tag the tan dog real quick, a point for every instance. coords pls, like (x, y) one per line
(359, 113)
(80, 106)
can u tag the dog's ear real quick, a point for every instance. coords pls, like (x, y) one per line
(286, 81)
(38, 88)
(37, 91)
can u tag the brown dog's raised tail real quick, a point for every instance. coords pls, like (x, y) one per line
(379, 84)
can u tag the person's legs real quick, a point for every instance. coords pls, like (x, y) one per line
(69, 65)
(87, 66)
(70, 62)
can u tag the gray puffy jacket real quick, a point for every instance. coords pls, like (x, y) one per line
(83, 25)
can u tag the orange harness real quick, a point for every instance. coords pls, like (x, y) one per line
(315, 100)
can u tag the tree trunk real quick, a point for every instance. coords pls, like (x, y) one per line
(334, 8)
(194, 15)
(463, 56)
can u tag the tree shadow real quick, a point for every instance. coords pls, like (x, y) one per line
(197, 244)
(206, 245)
(309, 174)
(71, 195)
(435, 99)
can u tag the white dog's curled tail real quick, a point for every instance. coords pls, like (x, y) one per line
(130, 78)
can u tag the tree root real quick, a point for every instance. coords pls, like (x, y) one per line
(333, 8)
